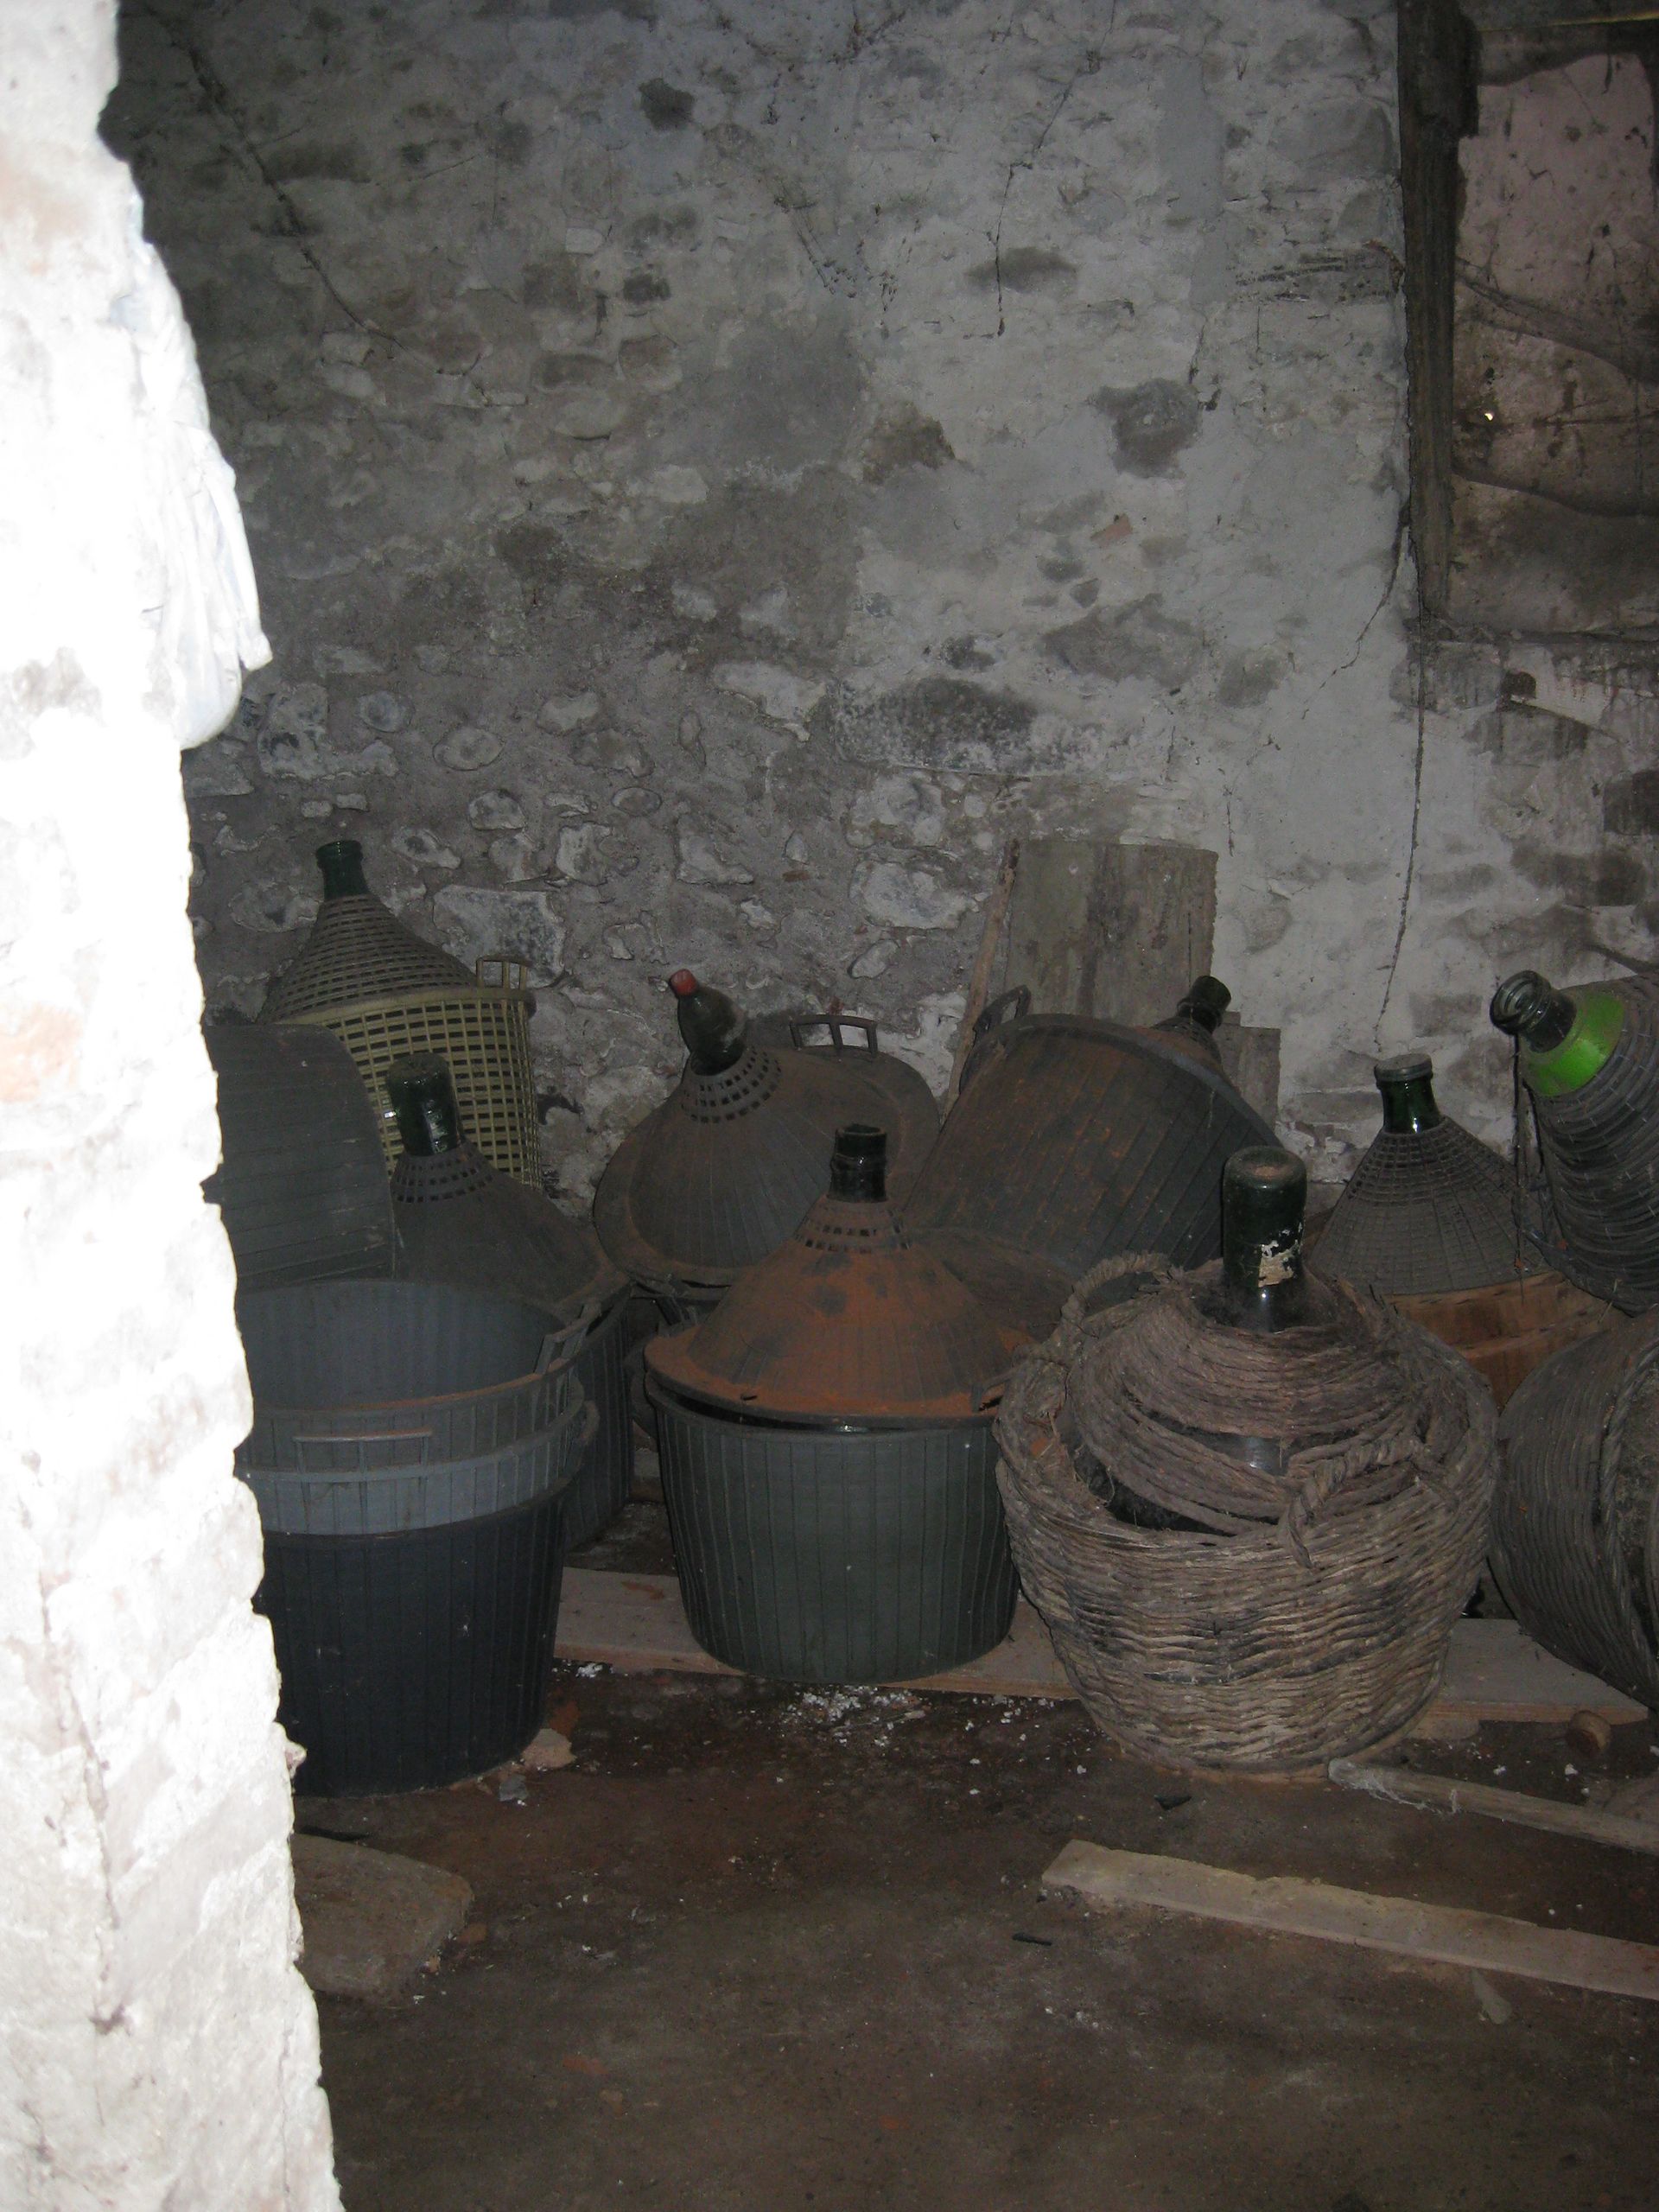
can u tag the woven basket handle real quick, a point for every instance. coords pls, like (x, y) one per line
(836, 1023)
(565, 1343)
(1073, 1315)
(509, 975)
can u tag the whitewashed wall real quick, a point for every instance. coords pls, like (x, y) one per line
(157, 2045)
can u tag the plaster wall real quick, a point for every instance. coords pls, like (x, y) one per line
(156, 2044)
(717, 475)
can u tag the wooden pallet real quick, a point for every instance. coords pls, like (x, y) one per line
(635, 1623)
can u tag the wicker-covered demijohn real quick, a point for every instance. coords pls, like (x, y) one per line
(1575, 1522)
(389, 994)
(1250, 1549)
(1590, 1058)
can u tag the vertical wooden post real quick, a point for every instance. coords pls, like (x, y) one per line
(1436, 108)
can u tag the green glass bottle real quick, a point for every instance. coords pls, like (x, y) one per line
(714, 1031)
(1263, 1200)
(1566, 1040)
(423, 1095)
(858, 1165)
(341, 863)
(1407, 1084)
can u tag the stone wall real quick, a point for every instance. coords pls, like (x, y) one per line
(715, 475)
(159, 2046)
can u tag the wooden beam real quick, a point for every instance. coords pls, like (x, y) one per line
(984, 970)
(636, 1623)
(1438, 1793)
(1286, 1905)
(1437, 107)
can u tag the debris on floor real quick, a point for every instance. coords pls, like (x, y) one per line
(371, 1919)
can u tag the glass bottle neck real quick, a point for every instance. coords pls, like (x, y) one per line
(342, 869)
(423, 1104)
(1408, 1106)
(1263, 1204)
(858, 1165)
(1565, 1038)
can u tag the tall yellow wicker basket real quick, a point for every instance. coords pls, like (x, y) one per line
(386, 992)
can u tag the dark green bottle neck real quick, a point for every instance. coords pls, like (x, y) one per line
(1263, 1203)
(1408, 1105)
(423, 1103)
(858, 1165)
(341, 863)
(1528, 1007)
(1205, 1001)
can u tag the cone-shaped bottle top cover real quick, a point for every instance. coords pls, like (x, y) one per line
(341, 862)
(358, 949)
(423, 1095)
(712, 1029)
(1566, 1038)
(1263, 1201)
(847, 1325)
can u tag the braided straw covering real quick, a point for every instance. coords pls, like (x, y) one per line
(1341, 1516)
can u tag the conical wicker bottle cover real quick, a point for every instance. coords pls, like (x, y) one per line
(462, 1221)
(387, 994)
(358, 949)
(1250, 1505)
(725, 1169)
(1428, 1209)
(848, 1321)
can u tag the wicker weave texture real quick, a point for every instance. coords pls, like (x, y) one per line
(1424, 1214)
(1294, 1640)
(483, 1033)
(358, 950)
(1601, 1153)
(1573, 1522)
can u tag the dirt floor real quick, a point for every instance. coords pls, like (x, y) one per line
(762, 1948)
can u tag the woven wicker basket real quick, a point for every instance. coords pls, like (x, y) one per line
(1293, 1640)
(483, 1033)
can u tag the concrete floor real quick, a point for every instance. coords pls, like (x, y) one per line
(761, 1949)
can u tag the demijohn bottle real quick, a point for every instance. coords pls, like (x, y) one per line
(462, 1221)
(1590, 1058)
(1428, 1210)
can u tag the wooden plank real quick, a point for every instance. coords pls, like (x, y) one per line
(990, 946)
(1436, 107)
(1110, 930)
(1286, 1905)
(1494, 1672)
(1251, 1059)
(1438, 1793)
(636, 1624)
